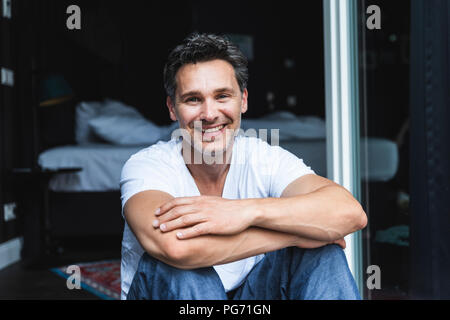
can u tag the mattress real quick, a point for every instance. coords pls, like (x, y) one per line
(102, 163)
(378, 157)
(101, 166)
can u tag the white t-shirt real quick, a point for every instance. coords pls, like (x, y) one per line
(257, 170)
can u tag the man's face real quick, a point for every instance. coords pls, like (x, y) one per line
(208, 104)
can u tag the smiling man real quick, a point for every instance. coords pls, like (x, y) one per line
(212, 214)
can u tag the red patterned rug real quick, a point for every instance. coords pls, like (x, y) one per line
(101, 278)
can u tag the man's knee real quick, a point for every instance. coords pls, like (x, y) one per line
(155, 279)
(331, 252)
(329, 274)
(147, 262)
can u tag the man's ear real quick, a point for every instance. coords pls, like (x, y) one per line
(244, 105)
(171, 107)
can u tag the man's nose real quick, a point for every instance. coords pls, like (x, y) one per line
(209, 111)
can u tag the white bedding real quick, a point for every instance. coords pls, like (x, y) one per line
(102, 163)
(379, 157)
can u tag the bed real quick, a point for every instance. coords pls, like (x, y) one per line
(93, 193)
(102, 163)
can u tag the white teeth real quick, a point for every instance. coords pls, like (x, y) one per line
(213, 129)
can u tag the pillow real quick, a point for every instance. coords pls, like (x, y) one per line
(290, 126)
(86, 111)
(120, 124)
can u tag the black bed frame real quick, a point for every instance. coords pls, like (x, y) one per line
(85, 214)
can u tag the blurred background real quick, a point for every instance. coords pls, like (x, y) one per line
(76, 103)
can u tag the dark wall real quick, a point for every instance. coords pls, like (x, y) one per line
(8, 113)
(120, 52)
(288, 50)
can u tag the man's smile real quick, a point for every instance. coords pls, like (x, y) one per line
(211, 133)
(212, 129)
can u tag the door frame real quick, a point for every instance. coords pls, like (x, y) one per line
(342, 111)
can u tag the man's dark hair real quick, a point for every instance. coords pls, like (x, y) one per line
(200, 48)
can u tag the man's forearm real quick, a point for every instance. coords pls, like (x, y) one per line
(209, 250)
(205, 230)
(327, 214)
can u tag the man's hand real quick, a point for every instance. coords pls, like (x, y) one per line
(201, 215)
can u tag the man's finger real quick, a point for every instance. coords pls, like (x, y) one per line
(173, 203)
(175, 213)
(182, 222)
(195, 231)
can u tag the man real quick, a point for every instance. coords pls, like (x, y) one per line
(218, 215)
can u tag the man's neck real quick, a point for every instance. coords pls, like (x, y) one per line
(209, 175)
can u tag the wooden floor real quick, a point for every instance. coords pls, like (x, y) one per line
(18, 281)
(36, 281)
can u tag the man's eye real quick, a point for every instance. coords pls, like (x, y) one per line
(193, 99)
(222, 96)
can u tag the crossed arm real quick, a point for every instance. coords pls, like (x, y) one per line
(193, 232)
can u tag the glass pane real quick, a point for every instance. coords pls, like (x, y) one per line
(384, 37)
